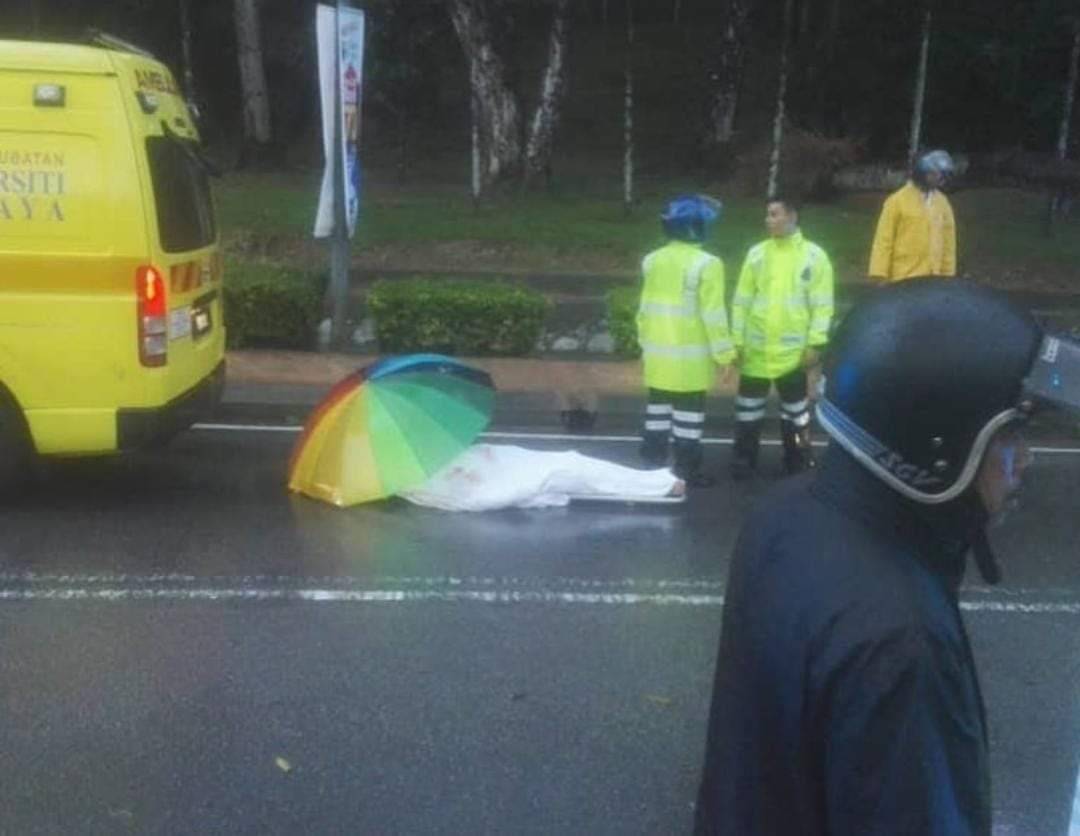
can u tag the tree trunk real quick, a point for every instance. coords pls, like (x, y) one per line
(781, 103)
(832, 30)
(830, 82)
(628, 113)
(188, 72)
(1070, 97)
(604, 24)
(805, 9)
(477, 176)
(725, 76)
(676, 11)
(252, 75)
(403, 128)
(549, 107)
(1060, 198)
(497, 106)
(920, 88)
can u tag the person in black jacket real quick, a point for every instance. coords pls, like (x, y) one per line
(846, 699)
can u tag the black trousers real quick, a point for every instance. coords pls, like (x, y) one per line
(794, 416)
(679, 416)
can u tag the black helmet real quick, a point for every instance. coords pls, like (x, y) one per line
(919, 378)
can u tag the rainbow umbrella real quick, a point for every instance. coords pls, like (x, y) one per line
(389, 427)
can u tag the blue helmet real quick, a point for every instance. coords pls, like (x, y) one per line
(687, 217)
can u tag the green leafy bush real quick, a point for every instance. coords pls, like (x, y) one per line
(456, 317)
(268, 304)
(622, 307)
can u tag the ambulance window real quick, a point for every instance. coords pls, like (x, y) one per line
(182, 195)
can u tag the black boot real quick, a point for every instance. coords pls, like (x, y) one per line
(654, 448)
(578, 420)
(688, 464)
(798, 452)
(745, 454)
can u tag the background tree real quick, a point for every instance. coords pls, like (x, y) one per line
(628, 112)
(497, 109)
(256, 101)
(404, 59)
(1060, 197)
(995, 87)
(781, 102)
(726, 64)
(505, 150)
(188, 71)
(545, 118)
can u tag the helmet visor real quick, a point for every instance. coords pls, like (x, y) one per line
(1054, 378)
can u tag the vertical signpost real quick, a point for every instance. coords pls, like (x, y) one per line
(340, 34)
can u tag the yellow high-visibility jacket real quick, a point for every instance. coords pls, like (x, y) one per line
(916, 236)
(783, 305)
(681, 322)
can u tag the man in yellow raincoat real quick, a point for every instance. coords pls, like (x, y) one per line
(916, 233)
(780, 320)
(683, 332)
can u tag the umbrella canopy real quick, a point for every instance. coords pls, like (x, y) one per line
(389, 427)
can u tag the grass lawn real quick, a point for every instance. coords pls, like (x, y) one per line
(578, 230)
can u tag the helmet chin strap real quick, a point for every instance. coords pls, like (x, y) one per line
(981, 550)
(985, 559)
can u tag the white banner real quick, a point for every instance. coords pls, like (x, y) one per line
(348, 86)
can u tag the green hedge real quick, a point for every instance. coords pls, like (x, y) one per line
(456, 317)
(622, 306)
(268, 304)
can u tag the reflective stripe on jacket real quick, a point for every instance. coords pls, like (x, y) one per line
(681, 321)
(916, 236)
(783, 305)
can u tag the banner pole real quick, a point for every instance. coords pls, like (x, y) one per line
(339, 240)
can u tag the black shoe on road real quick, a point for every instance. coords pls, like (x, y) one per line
(742, 470)
(798, 463)
(698, 479)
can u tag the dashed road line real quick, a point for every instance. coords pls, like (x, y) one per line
(722, 441)
(677, 592)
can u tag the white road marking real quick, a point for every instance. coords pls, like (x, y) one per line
(355, 596)
(537, 436)
(1074, 824)
(689, 592)
(244, 581)
(248, 428)
(1035, 607)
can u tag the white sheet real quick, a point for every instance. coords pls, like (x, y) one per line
(487, 477)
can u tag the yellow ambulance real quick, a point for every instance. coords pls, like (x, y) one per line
(111, 332)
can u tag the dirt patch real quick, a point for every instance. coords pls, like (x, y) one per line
(486, 257)
(512, 259)
(517, 259)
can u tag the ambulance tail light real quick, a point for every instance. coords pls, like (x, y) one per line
(153, 317)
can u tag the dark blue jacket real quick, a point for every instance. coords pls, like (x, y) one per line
(846, 700)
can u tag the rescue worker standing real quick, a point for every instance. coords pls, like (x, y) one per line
(846, 699)
(683, 332)
(780, 320)
(916, 233)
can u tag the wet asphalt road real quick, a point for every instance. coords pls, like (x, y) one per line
(186, 648)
